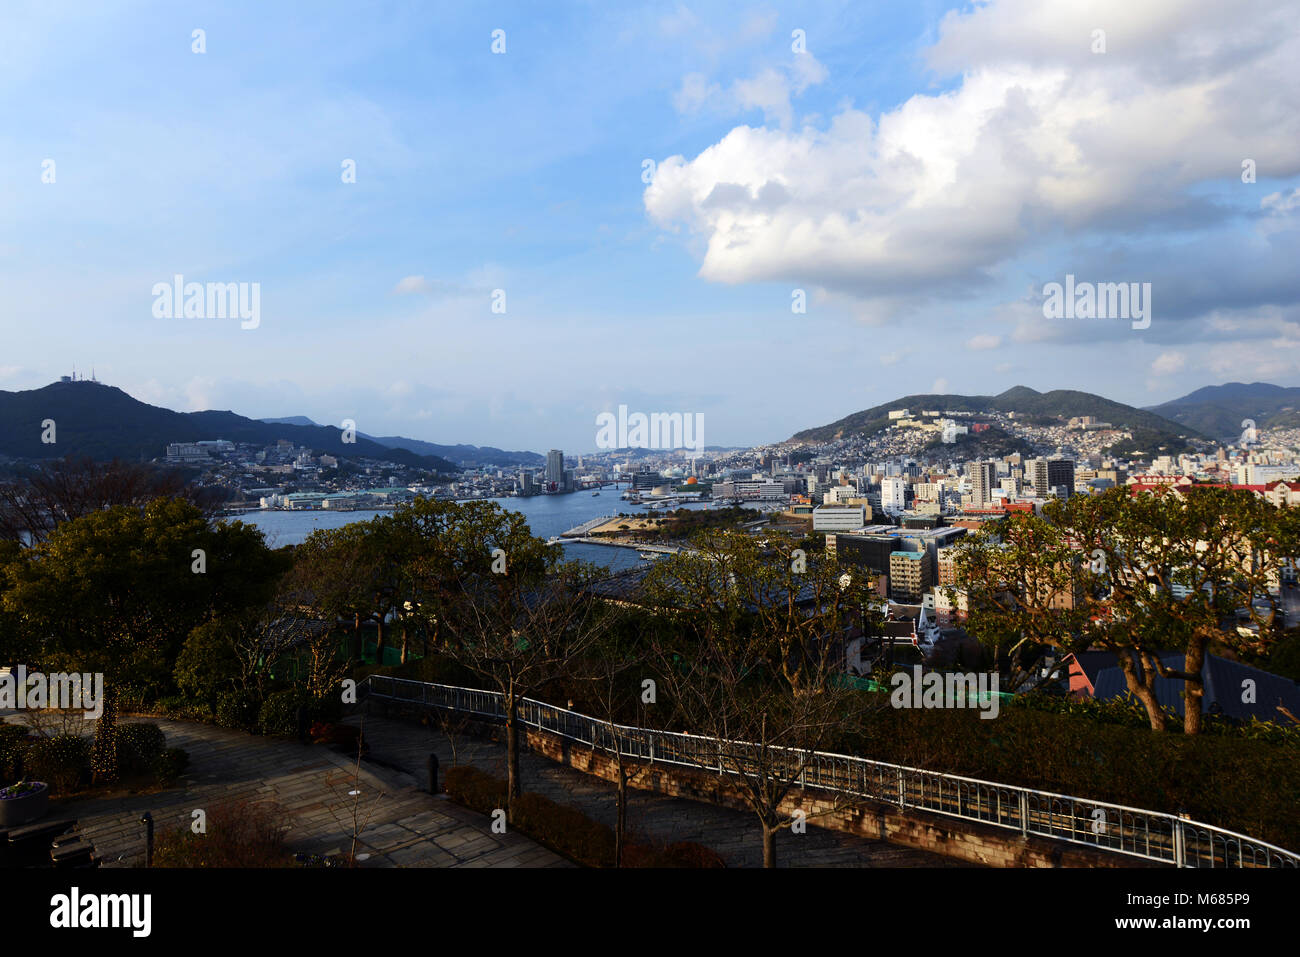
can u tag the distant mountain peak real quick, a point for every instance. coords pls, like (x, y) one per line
(1220, 410)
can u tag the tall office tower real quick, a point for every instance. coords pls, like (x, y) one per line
(554, 467)
(1036, 476)
(1060, 474)
(983, 479)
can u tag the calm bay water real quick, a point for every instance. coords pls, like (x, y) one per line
(547, 516)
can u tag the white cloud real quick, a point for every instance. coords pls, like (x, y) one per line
(770, 90)
(983, 341)
(1041, 139)
(1280, 203)
(412, 284)
(940, 386)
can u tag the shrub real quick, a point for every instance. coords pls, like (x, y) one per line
(183, 709)
(170, 764)
(475, 789)
(239, 834)
(237, 710)
(680, 854)
(563, 828)
(279, 712)
(14, 743)
(343, 737)
(328, 709)
(61, 761)
(207, 661)
(138, 747)
(566, 829)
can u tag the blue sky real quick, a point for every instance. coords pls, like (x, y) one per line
(918, 170)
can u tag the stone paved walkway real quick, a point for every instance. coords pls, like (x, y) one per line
(734, 834)
(409, 828)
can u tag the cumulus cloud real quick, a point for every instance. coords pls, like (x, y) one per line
(982, 342)
(1041, 140)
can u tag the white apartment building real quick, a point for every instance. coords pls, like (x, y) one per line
(893, 494)
(839, 518)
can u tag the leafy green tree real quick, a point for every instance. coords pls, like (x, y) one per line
(332, 575)
(1178, 568)
(117, 591)
(1135, 574)
(1024, 583)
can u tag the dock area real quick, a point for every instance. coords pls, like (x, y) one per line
(578, 531)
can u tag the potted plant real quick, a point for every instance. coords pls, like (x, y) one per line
(23, 802)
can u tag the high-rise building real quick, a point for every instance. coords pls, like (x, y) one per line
(983, 479)
(1060, 475)
(893, 494)
(555, 467)
(1036, 476)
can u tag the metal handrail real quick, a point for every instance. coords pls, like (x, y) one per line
(1135, 832)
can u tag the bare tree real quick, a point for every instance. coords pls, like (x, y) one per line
(70, 488)
(605, 673)
(519, 636)
(766, 732)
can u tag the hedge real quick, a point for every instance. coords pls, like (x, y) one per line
(1233, 781)
(566, 829)
(61, 761)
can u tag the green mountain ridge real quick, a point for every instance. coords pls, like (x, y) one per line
(1222, 410)
(103, 422)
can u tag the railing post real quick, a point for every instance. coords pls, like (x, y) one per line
(1024, 813)
(902, 796)
(1180, 841)
(147, 821)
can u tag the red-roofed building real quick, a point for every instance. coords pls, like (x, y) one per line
(1283, 493)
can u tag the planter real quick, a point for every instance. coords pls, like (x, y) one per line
(32, 806)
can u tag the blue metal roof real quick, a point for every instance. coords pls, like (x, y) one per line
(1225, 685)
